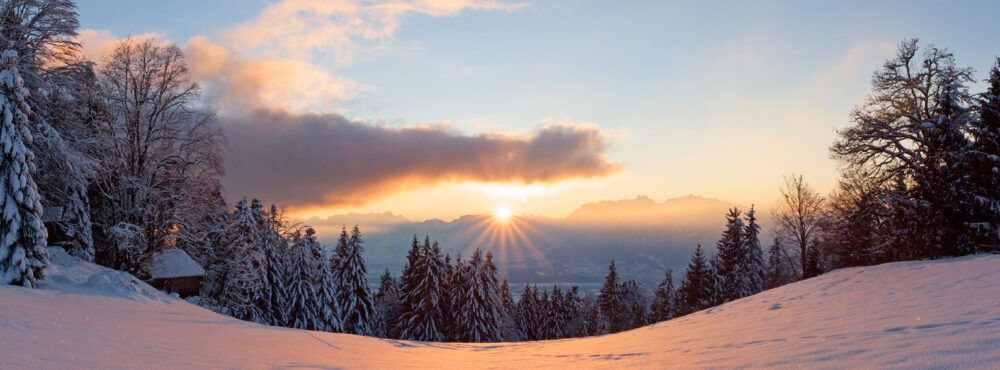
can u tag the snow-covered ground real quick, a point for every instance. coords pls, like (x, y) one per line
(914, 314)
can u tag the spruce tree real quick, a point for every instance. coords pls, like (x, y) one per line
(610, 301)
(634, 305)
(777, 271)
(302, 305)
(386, 300)
(752, 264)
(408, 282)
(986, 152)
(572, 320)
(662, 308)
(491, 294)
(245, 290)
(511, 332)
(476, 304)
(327, 306)
(275, 247)
(22, 234)
(729, 258)
(531, 315)
(696, 290)
(354, 293)
(423, 318)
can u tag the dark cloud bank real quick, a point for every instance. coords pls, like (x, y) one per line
(303, 159)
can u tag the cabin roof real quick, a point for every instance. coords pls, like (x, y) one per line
(174, 263)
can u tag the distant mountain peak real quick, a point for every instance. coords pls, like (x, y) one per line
(643, 210)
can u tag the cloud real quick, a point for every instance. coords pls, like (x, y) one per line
(98, 44)
(235, 83)
(338, 28)
(311, 159)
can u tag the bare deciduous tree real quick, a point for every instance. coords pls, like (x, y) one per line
(799, 217)
(163, 152)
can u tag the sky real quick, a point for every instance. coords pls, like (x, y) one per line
(441, 108)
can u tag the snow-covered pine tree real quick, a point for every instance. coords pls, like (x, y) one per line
(572, 320)
(23, 236)
(696, 290)
(476, 301)
(386, 300)
(492, 294)
(610, 301)
(355, 297)
(945, 193)
(209, 244)
(530, 313)
(43, 34)
(454, 297)
(408, 282)
(728, 258)
(752, 265)
(634, 304)
(301, 295)
(245, 289)
(511, 332)
(423, 319)
(985, 153)
(590, 314)
(275, 247)
(327, 307)
(662, 308)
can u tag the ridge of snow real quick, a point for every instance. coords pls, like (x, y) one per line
(943, 313)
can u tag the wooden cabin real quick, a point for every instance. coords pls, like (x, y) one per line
(173, 271)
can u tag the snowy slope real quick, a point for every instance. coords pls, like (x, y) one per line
(912, 314)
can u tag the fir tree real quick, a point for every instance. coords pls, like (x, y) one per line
(511, 332)
(572, 318)
(22, 234)
(662, 308)
(422, 317)
(244, 289)
(729, 258)
(476, 301)
(386, 300)
(696, 290)
(530, 314)
(610, 301)
(752, 264)
(302, 305)
(408, 281)
(985, 151)
(276, 254)
(634, 305)
(354, 293)
(778, 265)
(327, 306)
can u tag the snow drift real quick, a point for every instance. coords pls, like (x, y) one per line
(912, 314)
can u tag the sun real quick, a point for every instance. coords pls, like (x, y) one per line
(502, 213)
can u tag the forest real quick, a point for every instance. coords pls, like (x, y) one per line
(114, 160)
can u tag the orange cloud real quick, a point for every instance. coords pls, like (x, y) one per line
(236, 83)
(304, 160)
(299, 28)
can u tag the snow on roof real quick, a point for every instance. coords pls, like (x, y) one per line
(172, 263)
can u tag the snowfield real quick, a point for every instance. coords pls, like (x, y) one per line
(923, 314)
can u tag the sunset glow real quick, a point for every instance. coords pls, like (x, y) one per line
(499, 183)
(502, 213)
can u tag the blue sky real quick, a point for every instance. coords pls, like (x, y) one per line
(712, 98)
